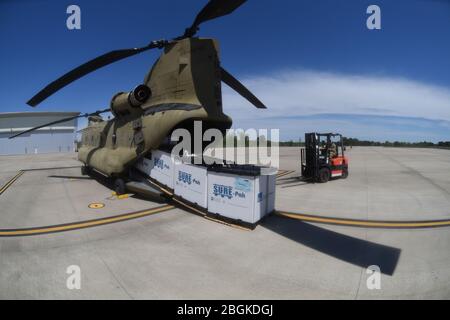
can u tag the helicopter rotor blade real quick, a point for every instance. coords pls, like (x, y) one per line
(234, 84)
(60, 121)
(88, 67)
(212, 10)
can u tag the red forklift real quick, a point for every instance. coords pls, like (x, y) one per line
(323, 157)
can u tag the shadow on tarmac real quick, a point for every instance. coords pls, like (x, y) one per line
(291, 181)
(346, 248)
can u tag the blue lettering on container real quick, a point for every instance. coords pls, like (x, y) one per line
(223, 191)
(240, 194)
(184, 177)
(260, 196)
(159, 163)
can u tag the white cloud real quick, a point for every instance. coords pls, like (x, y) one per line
(299, 93)
(361, 127)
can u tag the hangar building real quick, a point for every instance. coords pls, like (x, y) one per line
(55, 138)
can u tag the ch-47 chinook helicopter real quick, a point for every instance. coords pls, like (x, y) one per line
(183, 86)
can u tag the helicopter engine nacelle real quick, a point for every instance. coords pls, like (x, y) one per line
(124, 103)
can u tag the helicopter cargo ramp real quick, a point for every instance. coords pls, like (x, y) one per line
(131, 248)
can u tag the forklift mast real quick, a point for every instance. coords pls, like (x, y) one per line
(310, 156)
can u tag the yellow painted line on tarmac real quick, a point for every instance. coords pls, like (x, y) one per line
(365, 223)
(53, 168)
(10, 182)
(281, 172)
(284, 173)
(83, 224)
(21, 172)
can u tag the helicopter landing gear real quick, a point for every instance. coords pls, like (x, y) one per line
(119, 186)
(85, 170)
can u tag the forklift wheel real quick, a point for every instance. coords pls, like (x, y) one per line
(324, 175)
(344, 173)
(119, 186)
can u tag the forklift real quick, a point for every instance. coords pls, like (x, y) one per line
(323, 157)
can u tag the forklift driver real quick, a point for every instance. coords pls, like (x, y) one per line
(333, 150)
(323, 150)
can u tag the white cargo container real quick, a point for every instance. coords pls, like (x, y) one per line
(159, 166)
(144, 165)
(238, 196)
(191, 183)
(237, 192)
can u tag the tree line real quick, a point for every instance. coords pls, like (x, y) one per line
(347, 142)
(420, 144)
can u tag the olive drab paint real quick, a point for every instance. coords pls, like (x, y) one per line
(185, 85)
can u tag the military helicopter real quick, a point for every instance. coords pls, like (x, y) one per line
(183, 86)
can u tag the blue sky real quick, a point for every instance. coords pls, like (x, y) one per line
(314, 63)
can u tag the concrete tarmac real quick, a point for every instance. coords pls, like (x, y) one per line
(384, 184)
(178, 255)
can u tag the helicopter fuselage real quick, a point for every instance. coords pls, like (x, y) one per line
(185, 84)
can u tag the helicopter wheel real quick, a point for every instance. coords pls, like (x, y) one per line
(85, 170)
(119, 186)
